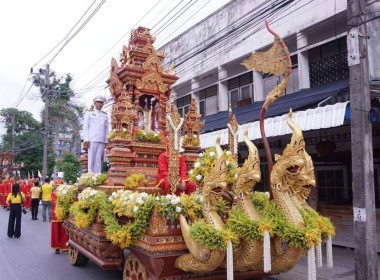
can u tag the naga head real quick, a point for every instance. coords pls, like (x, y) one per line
(288, 166)
(249, 174)
(216, 181)
(307, 180)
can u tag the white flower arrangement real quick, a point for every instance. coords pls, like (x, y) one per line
(197, 164)
(87, 194)
(63, 190)
(199, 177)
(212, 154)
(126, 202)
(92, 179)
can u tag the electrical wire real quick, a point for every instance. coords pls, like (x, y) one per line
(106, 74)
(127, 33)
(66, 35)
(78, 30)
(178, 14)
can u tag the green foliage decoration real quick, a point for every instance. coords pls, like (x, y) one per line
(92, 179)
(146, 135)
(203, 165)
(124, 235)
(194, 141)
(221, 206)
(124, 134)
(65, 198)
(132, 181)
(301, 237)
(87, 206)
(213, 238)
(171, 205)
(243, 226)
(326, 227)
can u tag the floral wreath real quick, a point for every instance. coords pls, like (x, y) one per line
(206, 161)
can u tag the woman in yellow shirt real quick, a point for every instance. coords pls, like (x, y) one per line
(14, 199)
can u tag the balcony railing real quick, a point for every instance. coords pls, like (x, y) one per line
(328, 70)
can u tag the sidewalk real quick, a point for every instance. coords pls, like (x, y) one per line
(343, 268)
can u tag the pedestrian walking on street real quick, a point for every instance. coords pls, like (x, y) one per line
(46, 190)
(35, 192)
(14, 200)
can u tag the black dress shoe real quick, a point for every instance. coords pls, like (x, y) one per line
(57, 251)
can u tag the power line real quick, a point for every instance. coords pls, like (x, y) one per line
(96, 79)
(127, 33)
(65, 36)
(78, 30)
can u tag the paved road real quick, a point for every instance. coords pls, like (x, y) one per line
(30, 258)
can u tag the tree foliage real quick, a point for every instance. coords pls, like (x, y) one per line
(64, 110)
(70, 166)
(28, 139)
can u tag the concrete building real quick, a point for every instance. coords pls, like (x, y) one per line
(64, 144)
(208, 56)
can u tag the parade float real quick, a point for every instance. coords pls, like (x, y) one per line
(224, 230)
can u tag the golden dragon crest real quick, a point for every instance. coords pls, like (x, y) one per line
(201, 259)
(246, 256)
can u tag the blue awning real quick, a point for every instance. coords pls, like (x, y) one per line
(375, 113)
(301, 100)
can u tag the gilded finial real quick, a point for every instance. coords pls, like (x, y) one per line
(171, 69)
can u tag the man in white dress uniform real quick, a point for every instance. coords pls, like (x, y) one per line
(95, 134)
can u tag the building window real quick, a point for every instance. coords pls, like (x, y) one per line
(328, 62)
(332, 184)
(183, 104)
(240, 90)
(208, 101)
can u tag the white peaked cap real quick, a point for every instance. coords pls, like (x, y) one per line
(100, 99)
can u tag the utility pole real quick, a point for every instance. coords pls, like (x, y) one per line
(46, 121)
(361, 144)
(13, 117)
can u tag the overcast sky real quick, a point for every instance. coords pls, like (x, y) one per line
(31, 28)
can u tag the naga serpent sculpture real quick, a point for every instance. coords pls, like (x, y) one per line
(201, 259)
(286, 171)
(285, 174)
(245, 256)
(301, 190)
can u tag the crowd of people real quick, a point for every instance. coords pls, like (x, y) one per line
(17, 196)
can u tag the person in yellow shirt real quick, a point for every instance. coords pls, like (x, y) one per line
(35, 192)
(46, 190)
(14, 200)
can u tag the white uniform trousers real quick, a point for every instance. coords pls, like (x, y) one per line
(95, 154)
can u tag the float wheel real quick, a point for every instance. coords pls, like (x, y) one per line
(76, 258)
